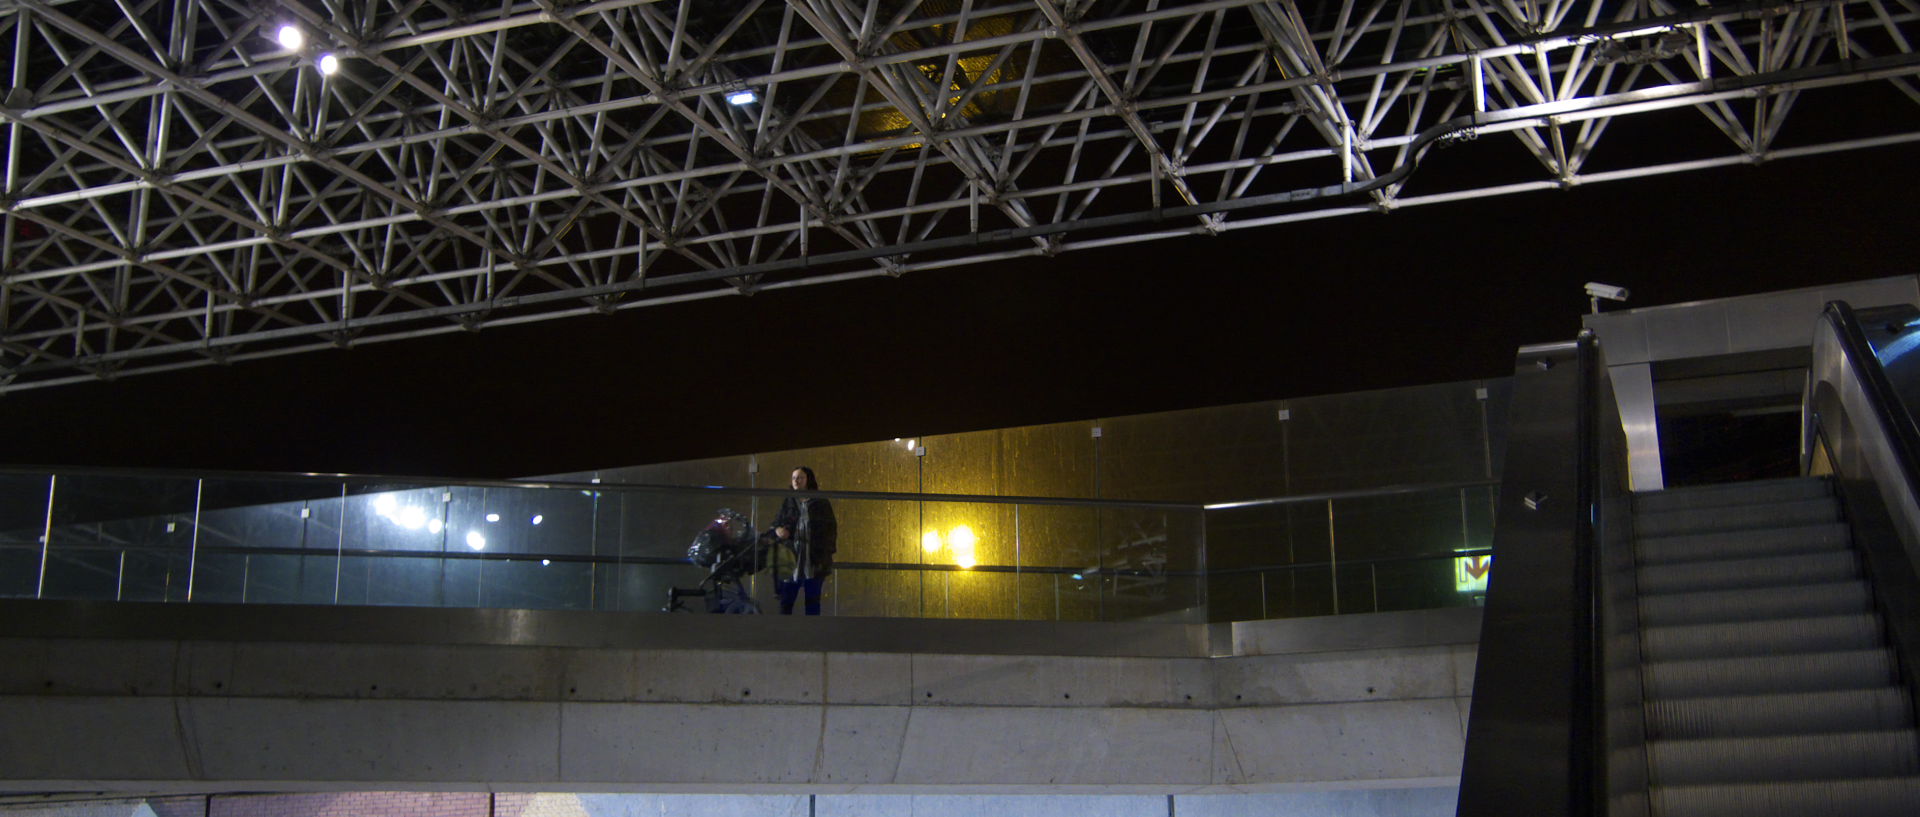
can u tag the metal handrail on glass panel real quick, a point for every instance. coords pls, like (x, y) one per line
(340, 539)
(349, 539)
(1398, 547)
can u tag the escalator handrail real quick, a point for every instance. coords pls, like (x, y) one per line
(1882, 397)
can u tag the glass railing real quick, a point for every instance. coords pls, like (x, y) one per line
(1406, 547)
(317, 539)
(95, 535)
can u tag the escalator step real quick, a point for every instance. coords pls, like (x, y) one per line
(1732, 493)
(1853, 710)
(1882, 797)
(1691, 577)
(1765, 637)
(1834, 598)
(1842, 756)
(1736, 517)
(1742, 544)
(1805, 672)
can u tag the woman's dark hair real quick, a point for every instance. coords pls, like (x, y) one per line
(812, 484)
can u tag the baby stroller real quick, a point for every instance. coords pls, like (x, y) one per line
(730, 552)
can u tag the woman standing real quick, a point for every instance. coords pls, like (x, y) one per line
(805, 525)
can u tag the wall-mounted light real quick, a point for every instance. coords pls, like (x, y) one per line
(476, 540)
(961, 540)
(537, 519)
(493, 517)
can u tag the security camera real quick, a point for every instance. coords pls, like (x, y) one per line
(1597, 291)
(1607, 291)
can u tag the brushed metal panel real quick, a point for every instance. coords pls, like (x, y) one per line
(1633, 393)
(1622, 334)
(1696, 331)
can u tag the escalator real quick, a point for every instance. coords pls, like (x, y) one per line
(1767, 680)
(1734, 649)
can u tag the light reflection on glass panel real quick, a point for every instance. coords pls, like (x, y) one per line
(254, 537)
(318, 574)
(1150, 564)
(23, 519)
(395, 518)
(124, 538)
(1059, 559)
(961, 540)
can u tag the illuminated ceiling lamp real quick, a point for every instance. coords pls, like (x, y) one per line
(290, 37)
(743, 97)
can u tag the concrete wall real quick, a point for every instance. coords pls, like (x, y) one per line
(1351, 702)
(1422, 802)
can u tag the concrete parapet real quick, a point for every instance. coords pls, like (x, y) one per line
(1292, 705)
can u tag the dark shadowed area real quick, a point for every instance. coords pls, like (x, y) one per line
(1422, 295)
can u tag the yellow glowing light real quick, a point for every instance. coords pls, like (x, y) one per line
(963, 540)
(930, 542)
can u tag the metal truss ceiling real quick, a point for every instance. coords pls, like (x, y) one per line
(181, 188)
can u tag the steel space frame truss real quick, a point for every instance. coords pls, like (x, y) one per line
(182, 189)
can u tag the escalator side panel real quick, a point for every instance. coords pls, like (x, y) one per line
(1863, 383)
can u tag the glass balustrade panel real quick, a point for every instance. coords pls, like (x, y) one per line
(267, 541)
(23, 521)
(121, 538)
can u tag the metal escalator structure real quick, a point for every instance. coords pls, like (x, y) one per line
(1740, 649)
(1766, 677)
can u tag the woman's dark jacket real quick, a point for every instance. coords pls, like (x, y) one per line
(815, 545)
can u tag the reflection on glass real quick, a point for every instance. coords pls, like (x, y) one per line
(23, 521)
(293, 541)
